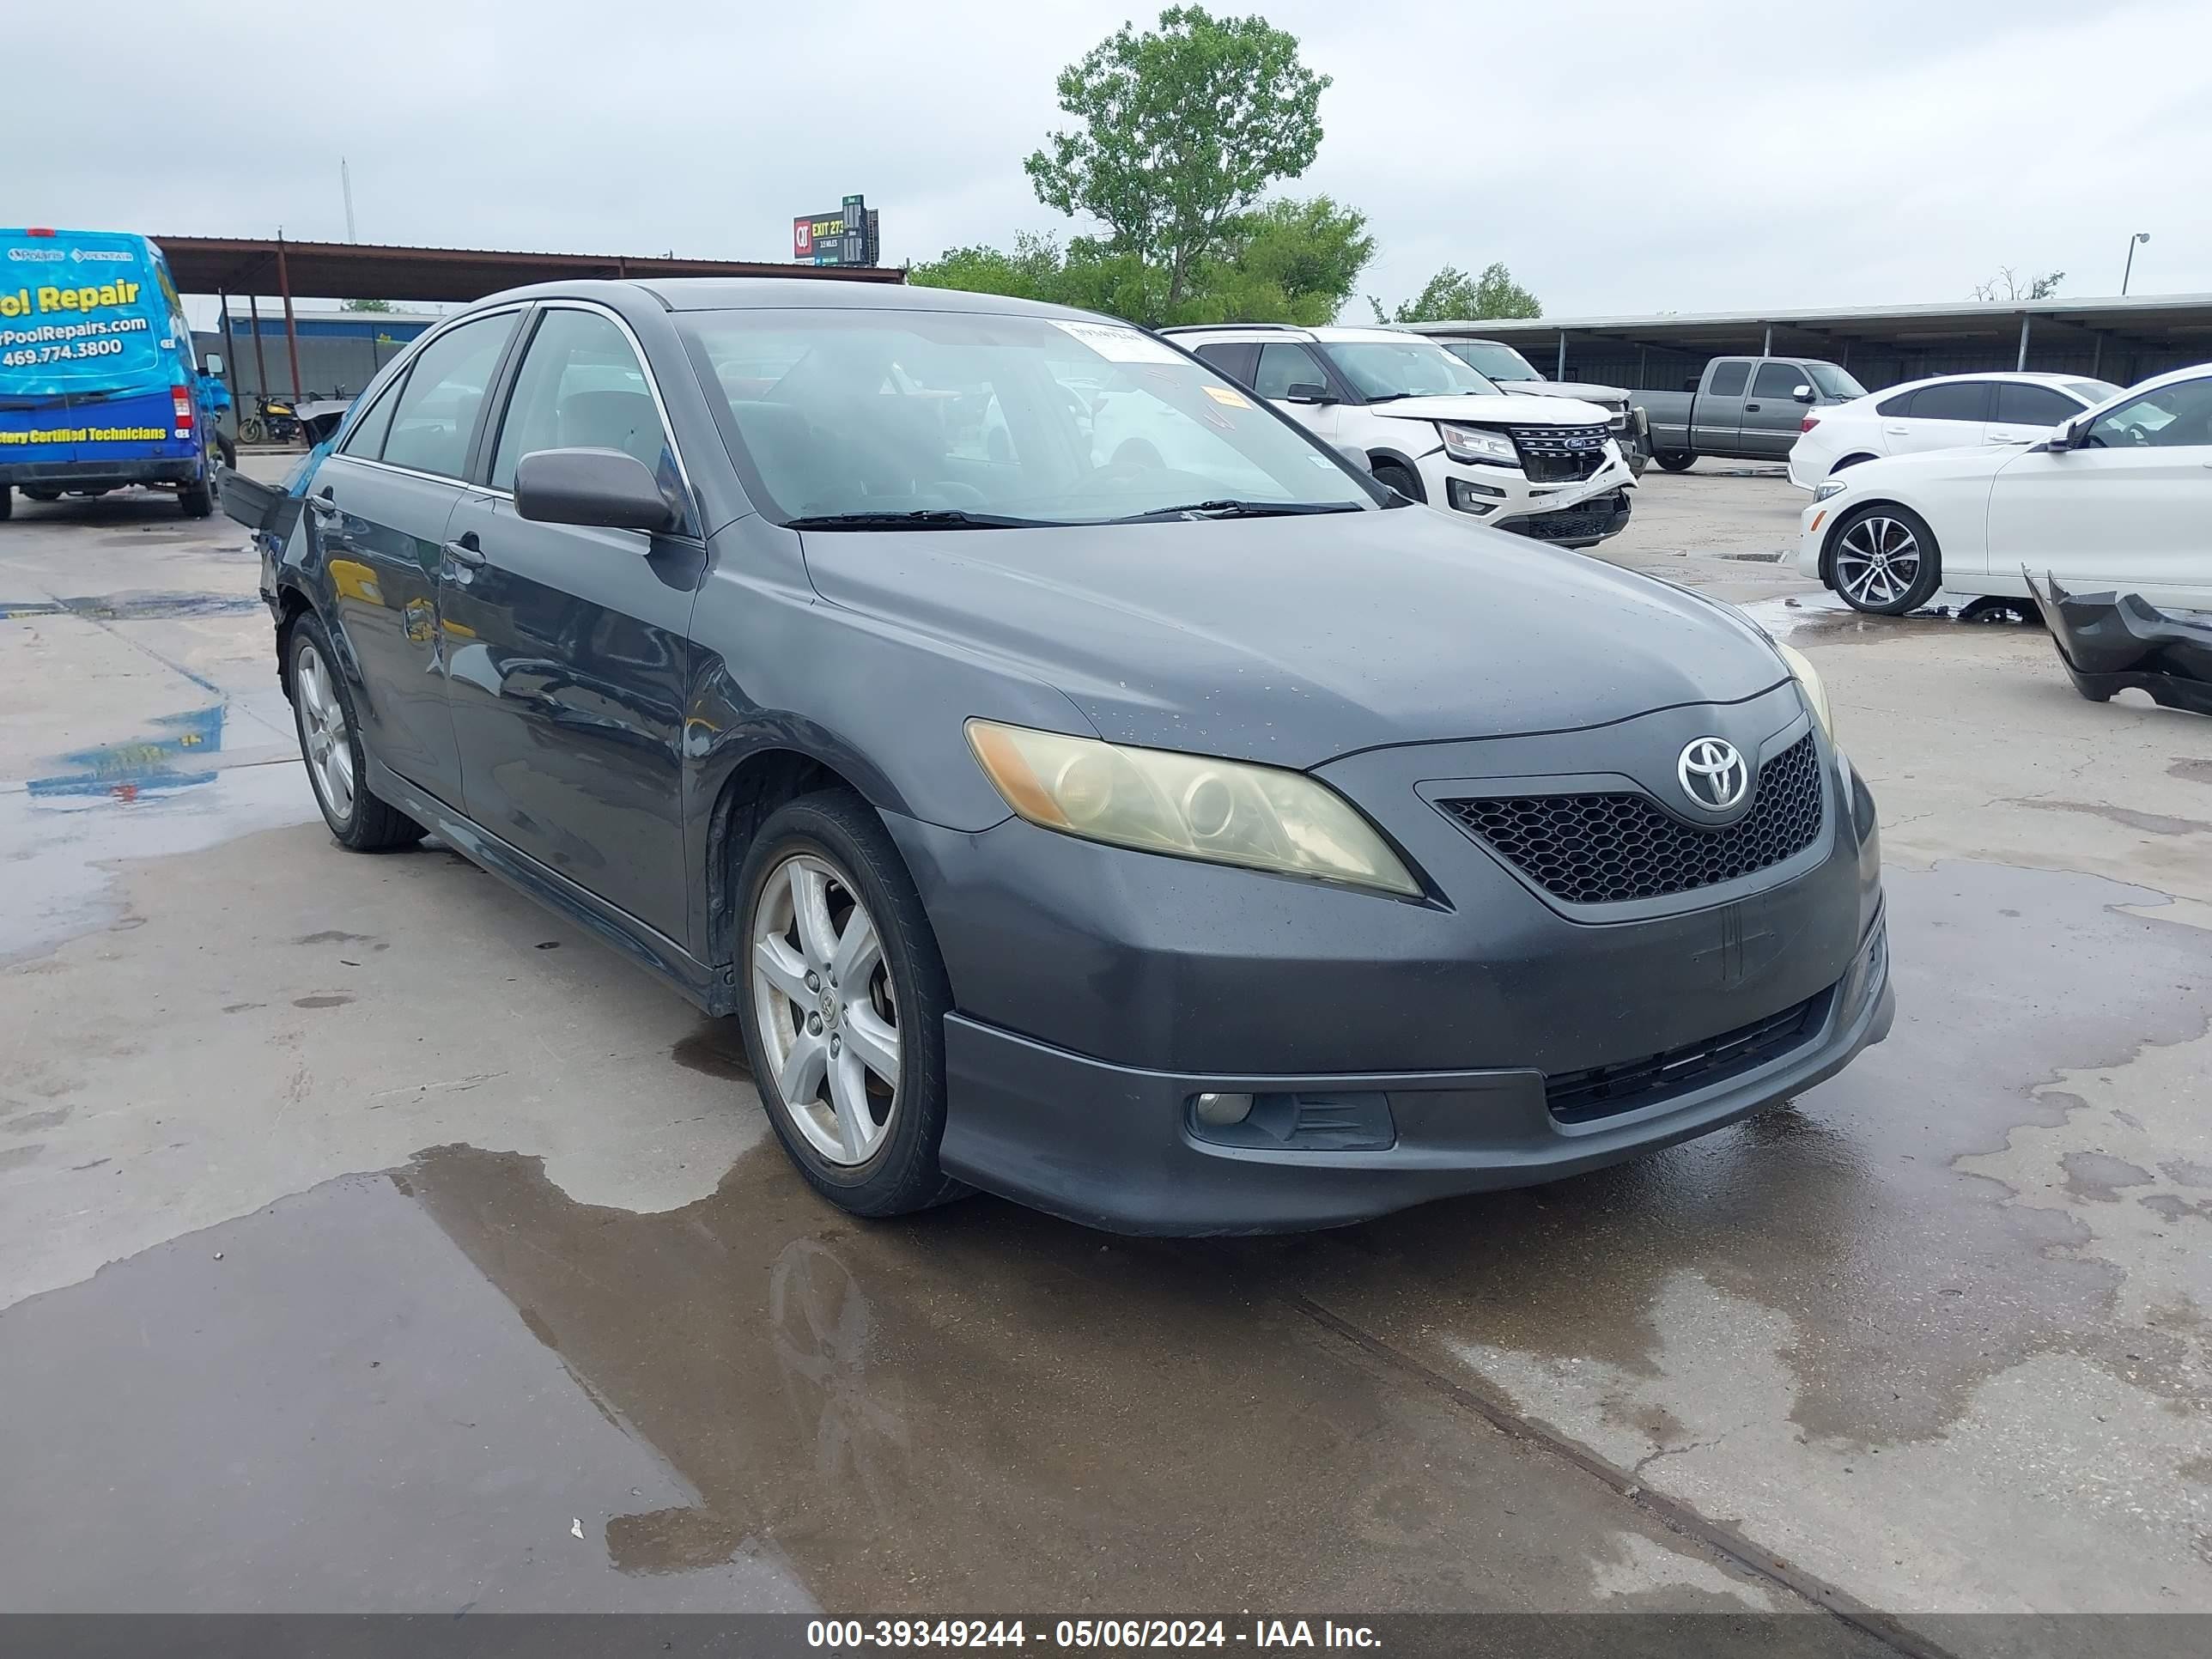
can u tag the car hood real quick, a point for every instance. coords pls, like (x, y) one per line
(1293, 640)
(1586, 391)
(1511, 410)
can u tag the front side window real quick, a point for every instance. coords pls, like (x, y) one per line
(580, 387)
(366, 438)
(1284, 364)
(437, 409)
(1952, 400)
(953, 418)
(1778, 381)
(1383, 370)
(2019, 403)
(2177, 416)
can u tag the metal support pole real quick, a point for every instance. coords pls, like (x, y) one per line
(291, 332)
(1766, 345)
(1561, 372)
(261, 356)
(2025, 318)
(2096, 355)
(229, 340)
(1642, 356)
(1846, 360)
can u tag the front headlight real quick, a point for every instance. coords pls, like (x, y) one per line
(1475, 443)
(1809, 681)
(1158, 801)
(1828, 487)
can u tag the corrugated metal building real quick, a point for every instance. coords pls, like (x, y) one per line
(339, 351)
(2111, 339)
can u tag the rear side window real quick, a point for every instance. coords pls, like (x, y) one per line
(1895, 408)
(1234, 361)
(580, 387)
(1779, 380)
(1730, 379)
(2021, 404)
(366, 438)
(437, 409)
(1953, 400)
(1284, 364)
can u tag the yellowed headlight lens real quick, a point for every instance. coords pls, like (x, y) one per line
(1808, 678)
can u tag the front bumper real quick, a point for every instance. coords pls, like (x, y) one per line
(1098, 990)
(1814, 525)
(1504, 497)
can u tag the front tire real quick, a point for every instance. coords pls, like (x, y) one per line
(1884, 559)
(1402, 480)
(1675, 461)
(329, 743)
(841, 1002)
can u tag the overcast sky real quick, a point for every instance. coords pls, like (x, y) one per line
(1689, 155)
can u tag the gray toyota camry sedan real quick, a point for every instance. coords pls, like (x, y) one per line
(1079, 783)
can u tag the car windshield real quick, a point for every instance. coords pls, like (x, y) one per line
(1382, 369)
(1834, 382)
(950, 419)
(1487, 357)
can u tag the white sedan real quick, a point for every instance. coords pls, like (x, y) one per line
(1949, 412)
(2119, 497)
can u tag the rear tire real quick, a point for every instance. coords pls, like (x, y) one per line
(824, 894)
(1679, 461)
(329, 743)
(1884, 559)
(7, 502)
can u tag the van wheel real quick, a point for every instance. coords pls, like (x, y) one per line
(197, 499)
(7, 502)
(841, 1001)
(1678, 461)
(1885, 561)
(330, 742)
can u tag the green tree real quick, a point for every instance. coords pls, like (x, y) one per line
(1452, 296)
(1178, 131)
(1286, 261)
(1033, 270)
(367, 304)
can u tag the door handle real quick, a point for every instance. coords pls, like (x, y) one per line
(463, 550)
(322, 506)
(1897, 431)
(1751, 408)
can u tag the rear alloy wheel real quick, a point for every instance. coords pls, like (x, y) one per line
(842, 1006)
(322, 708)
(1885, 561)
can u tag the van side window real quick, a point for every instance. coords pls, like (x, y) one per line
(366, 438)
(1728, 379)
(436, 411)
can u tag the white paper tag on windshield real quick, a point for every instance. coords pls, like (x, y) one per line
(1116, 344)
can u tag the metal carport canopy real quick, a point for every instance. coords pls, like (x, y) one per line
(359, 270)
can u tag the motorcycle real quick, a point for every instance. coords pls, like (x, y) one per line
(272, 422)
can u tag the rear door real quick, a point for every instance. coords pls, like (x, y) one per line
(1716, 411)
(1773, 415)
(378, 510)
(1949, 414)
(569, 644)
(2129, 509)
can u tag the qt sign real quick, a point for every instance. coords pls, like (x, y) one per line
(847, 237)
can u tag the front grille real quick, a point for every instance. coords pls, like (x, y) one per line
(1558, 454)
(1605, 849)
(1606, 1090)
(1587, 521)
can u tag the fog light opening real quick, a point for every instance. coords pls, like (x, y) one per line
(1217, 1111)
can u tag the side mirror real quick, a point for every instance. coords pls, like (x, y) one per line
(1306, 392)
(1803, 394)
(1355, 458)
(212, 363)
(604, 488)
(2068, 435)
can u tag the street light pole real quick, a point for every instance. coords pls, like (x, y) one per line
(2140, 236)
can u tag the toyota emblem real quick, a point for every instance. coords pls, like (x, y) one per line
(1713, 774)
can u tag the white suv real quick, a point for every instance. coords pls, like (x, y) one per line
(1433, 428)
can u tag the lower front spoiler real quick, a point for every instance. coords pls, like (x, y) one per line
(1583, 524)
(1112, 1146)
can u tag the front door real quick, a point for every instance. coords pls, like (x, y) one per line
(2129, 509)
(378, 510)
(1285, 365)
(567, 654)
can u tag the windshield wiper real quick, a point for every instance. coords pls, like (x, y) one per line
(1237, 509)
(920, 518)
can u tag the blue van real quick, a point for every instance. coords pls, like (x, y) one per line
(97, 384)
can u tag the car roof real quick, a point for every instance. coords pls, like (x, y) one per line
(2020, 377)
(1326, 334)
(791, 294)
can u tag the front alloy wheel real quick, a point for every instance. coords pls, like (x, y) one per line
(1886, 562)
(827, 1012)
